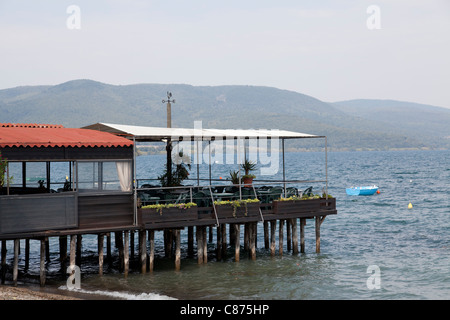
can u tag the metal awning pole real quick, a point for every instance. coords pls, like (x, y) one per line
(326, 167)
(198, 167)
(284, 168)
(135, 182)
(209, 162)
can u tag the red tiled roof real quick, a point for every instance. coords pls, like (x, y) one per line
(28, 135)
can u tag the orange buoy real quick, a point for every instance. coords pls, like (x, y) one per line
(378, 191)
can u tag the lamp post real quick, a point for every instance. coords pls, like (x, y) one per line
(169, 142)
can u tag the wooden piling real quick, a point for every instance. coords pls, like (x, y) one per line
(151, 236)
(219, 243)
(224, 240)
(3, 254)
(27, 254)
(72, 259)
(273, 226)
(16, 261)
(237, 242)
(118, 237)
(252, 240)
(302, 234)
(143, 251)
(42, 264)
(126, 252)
(108, 248)
(294, 236)
(288, 235)
(100, 253)
(199, 233)
(318, 222)
(47, 250)
(79, 243)
(177, 250)
(190, 250)
(63, 252)
(280, 237)
(266, 234)
(205, 246)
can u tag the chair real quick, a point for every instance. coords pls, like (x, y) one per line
(308, 192)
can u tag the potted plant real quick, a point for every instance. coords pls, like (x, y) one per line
(248, 166)
(234, 176)
(178, 174)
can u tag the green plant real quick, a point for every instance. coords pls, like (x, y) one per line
(179, 173)
(159, 207)
(236, 204)
(248, 166)
(234, 176)
(3, 168)
(305, 197)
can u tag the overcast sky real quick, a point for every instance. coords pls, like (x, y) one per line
(331, 50)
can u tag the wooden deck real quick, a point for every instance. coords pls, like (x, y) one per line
(72, 214)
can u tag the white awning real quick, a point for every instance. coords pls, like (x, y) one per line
(142, 133)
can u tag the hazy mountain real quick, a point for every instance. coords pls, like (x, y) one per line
(349, 125)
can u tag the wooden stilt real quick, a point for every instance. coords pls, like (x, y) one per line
(273, 225)
(190, 241)
(280, 237)
(16, 261)
(44, 243)
(151, 236)
(177, 250)
(100, 253)
(47, 250)
(73, 244)
(252, 239)
(108, 248)
(246, 237)
(302, 234)
(118, 237)
(63, 252)
(199, 233)
(237, 241)
(78, 257)
(126, 252)
(205, 246)
(27, 254)
(219, 243)
(211, 234)
(3, 254)
(224, 241)
(319, 220)
(266, 234)
(288, 235)
(131, 245)
(143, 251)
(294, 236)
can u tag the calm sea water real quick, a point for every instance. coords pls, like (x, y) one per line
(409, 249)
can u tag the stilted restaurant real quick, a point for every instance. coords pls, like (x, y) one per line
(104, 195)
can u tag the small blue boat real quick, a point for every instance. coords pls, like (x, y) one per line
(362, 191)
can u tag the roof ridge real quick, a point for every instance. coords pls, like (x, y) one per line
(30, 125)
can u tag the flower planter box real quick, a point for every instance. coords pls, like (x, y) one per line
(304, 208)
(167, 216)
(296, 206)
(244, 213)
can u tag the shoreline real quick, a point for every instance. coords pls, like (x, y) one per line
(19, 293)
(9, 292)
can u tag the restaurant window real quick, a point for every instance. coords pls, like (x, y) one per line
(104, 176)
